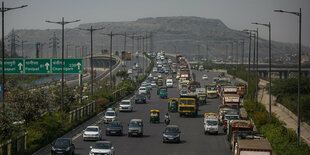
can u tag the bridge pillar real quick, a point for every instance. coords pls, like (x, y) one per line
(285, 74)
(280, 75)
(265, 74)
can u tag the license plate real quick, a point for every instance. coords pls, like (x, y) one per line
(134, 133)
(171, 138)
(113, 131)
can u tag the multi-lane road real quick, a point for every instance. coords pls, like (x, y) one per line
(193, 140)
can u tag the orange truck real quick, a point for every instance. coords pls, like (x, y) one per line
(128, 56)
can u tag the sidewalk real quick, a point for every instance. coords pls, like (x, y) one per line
(282, 112)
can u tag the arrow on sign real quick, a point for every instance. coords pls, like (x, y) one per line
(46, 65)
(79, 65)
(20, 66)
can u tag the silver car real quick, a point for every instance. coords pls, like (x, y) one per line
(92, 133)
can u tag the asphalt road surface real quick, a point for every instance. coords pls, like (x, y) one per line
(193, 140)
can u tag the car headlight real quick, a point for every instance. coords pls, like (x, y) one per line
(53, 149)
(91, 153)
(68, 148)
(178, 135)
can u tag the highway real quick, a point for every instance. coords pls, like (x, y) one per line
(193, 140)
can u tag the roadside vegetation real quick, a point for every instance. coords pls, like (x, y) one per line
(286, 92)
(282, 139)
(40, 108)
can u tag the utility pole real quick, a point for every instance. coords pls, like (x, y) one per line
(62, 23)
(3, 10)
(91, 30)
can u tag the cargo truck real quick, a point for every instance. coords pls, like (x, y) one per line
(238, 125)
(232, 100)
(211, 123)
(253, 147)
(128, 56)
(123, 55)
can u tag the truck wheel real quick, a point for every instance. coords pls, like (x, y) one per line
(205, 132)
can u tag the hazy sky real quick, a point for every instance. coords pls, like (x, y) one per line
(236, 14)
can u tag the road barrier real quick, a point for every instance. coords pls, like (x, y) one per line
(14, 146)
(82, 112)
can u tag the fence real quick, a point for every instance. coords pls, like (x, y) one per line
(14, 146)
(118, 94)
(82, 112)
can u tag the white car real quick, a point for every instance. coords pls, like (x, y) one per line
(92, 133)
(153, 83)
(129, 71)
(109, 116)
(169, 83)
(142, 90)
(155, 69)
(205, 77)
(102, 147)
(125, 105)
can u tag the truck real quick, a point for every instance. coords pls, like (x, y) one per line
(238, 125)
(193, 85)
(232, 100)
(211, 123)
(240, 89)
(253, 147)
(229, 90)
(239, 135)
(178, 56)
(128, 56)
(123, 55)
(188, 105)
(211, 91)
(184, 74)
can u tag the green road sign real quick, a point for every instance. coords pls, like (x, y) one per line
(12, 66)
(37, 66)
(71, 66)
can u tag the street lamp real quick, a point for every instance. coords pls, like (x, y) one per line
(299, 69)
(62, 23)
(3, 10)
(269, 27)
(91, 30)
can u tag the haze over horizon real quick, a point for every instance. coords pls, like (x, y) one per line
(237, 14)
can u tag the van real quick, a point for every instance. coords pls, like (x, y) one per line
(135, 127)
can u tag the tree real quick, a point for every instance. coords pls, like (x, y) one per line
(6, 126)
(27, 104)
(69, 95)
(122, 74)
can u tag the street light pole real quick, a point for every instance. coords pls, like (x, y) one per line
(3, 10)
(91, 30)
(269, 26)
(62, 23)
(299, 70)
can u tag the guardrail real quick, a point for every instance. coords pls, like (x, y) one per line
(84, 111)
(14, 146)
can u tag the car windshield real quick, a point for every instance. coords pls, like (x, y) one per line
(140, 96)
(62, 143)
(211, 88)
(211, 122)
(231, 117)
(125, 103)
(135, 124)
(184, 92)
(172, 103)
(114, 124)
(171, 130)
(110, 113)
(102, 146)
(91, 129)
(163, 90)
(142, 88)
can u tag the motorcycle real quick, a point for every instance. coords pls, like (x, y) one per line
(167, 121)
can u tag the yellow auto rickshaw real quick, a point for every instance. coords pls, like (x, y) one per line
(202, 99)
(154, 116)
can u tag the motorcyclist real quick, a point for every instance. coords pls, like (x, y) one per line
(167, 118)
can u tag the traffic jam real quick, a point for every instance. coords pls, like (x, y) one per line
(168, 72)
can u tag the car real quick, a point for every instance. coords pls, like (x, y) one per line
(92, 133)
(159, 75)
(110, 116)
(135, 127)
(140, 98)
(63, 146)
(102, 147)
(114, 128)
(205, 77)
(183, 92)
(171, 134)
(169, 83)
(142, 90)
(125, 105)
(154, 69)
(129, 71)
(153, 83)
